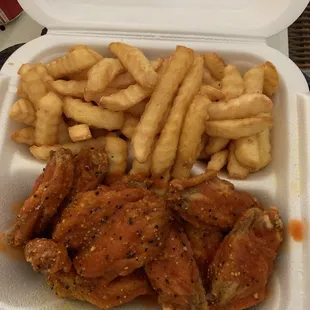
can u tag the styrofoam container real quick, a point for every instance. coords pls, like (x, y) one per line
(237, 31)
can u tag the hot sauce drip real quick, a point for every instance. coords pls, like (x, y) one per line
(296, 230)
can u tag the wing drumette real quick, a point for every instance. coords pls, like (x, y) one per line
(90, 168)
(205, 241)
(244, 261)
(206, 199)
(50, 189)
(175, 275)
(47, 256)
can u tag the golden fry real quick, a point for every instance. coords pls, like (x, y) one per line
(21, 92)
(48, 118)
(141, 168)
(100, 75)
(117, 151)
(23, 111)
(212, 93)
(164, 66)
(234, 168)
(238, 128)
(160, 183)
(192, 131)
(215, 64)
(93, 52)
(232, 83)
(25, 136)
(125, 98)
(264, 148)
(160, 101)
(215, 144)
(163, 122)
(217, 85)
(107, 92)
(44, 75)
(74, 62)
(201, 150)
(247, 105)
(254, 80)
(79, 76)
(24, 68)
(271, 79)
(207, 77)
(129, 126)
(69, 88)
(79, 132)
(34, 87)
(63, 133)
(136, 63)
(87, 113)
(167, 144)
(125, 79)
(43, 152)
(218, 160)
(247, 152)
(138, 109)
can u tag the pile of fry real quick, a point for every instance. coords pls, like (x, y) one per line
(172, 110)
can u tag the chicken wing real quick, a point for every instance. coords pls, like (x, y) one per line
(244, 261)
(80, 222)
(132, 181)
(175, 275)
(205, 241)
(132, 237)
(209, 200)
(90, 168)
(48, 193)
(47, 256)
(95, 291)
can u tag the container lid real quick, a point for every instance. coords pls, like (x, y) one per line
(256, 18)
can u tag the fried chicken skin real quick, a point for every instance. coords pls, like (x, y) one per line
(209, 200)
(90, 168)
(244, 261)
(132, 181)
(95, 291)
(81, 221)
(50, 189)
(205, 241)
(131, 238)
(175, 275)
(47, 256)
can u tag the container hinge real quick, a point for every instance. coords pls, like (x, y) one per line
(159, 36)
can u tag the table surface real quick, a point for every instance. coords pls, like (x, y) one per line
(24, 29)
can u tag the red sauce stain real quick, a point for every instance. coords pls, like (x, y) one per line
(12, 253)
(148, 301)
(296, 230)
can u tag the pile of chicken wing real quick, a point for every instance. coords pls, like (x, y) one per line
(203, 245)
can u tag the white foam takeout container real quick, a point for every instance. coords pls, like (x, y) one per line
(237, 30)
